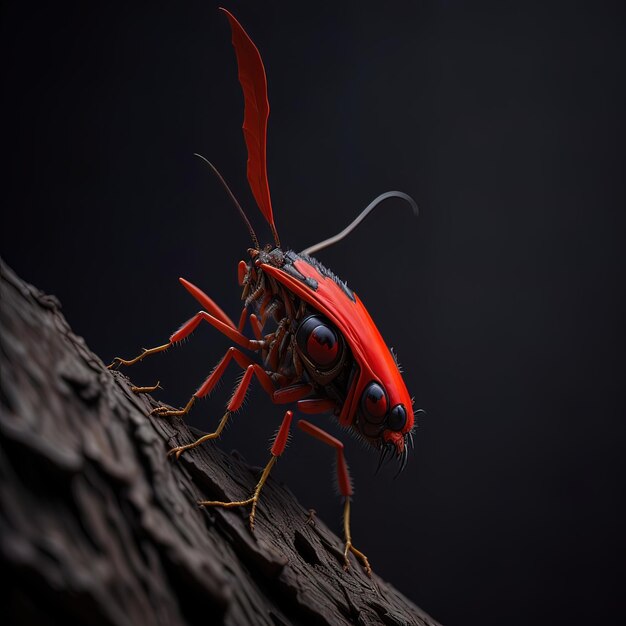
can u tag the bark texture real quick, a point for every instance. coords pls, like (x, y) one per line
(98, 526)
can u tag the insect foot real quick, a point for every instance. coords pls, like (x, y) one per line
(178, 450)
(146, 352)
(349, 547)
(253, 500)
(359, 555)
(152, 389)
(164, 411)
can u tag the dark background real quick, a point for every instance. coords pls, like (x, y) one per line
(504, 120)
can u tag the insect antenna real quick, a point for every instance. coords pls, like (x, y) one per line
(255, 240)
(359, 218)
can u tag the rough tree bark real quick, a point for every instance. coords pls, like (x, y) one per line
(97, 525)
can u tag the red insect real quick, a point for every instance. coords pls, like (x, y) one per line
(322, 352)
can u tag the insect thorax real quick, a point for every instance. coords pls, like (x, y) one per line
(280, 313)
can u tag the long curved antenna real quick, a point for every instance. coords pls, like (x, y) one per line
(255, 241)
(364, 213)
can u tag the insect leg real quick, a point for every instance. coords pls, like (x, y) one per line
(230, 331)
(235, 402)
(276, 342)
(292, 393)
(204, 389)
(241, 359)
(233, 405)
(145, 352)
(186, 329)
(214, 435)
(313, 406)
(257, 327)
(278, 447)
(207, 386)
(207, 302)
(345, 488)
(242, 320)
(257, 293)
(255, 324)
(150, 389)
(240, 392)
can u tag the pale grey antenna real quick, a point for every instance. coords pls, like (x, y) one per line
(364, 213)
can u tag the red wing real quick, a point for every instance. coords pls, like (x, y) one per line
(256, 112)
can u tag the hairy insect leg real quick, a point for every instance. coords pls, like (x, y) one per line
(230, 331)
(278, 447)
(251, 369)
(186, 329)
(345, 488)
(241, 359)
(240, 391)
(207, 386)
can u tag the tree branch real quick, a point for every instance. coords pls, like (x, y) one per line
(98, 526)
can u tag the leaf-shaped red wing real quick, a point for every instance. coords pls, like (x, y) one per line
(256, 112)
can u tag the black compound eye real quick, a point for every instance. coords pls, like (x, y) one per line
(374, 403)
(319, 342)
(397, 417)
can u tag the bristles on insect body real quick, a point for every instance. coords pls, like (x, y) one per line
(386, 454)
(273, 439)
(395, 358)
(232, 395)
(337, 488)
(402, 458)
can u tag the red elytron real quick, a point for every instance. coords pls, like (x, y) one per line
(323, 352)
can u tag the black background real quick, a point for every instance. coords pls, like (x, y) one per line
(504, 298)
